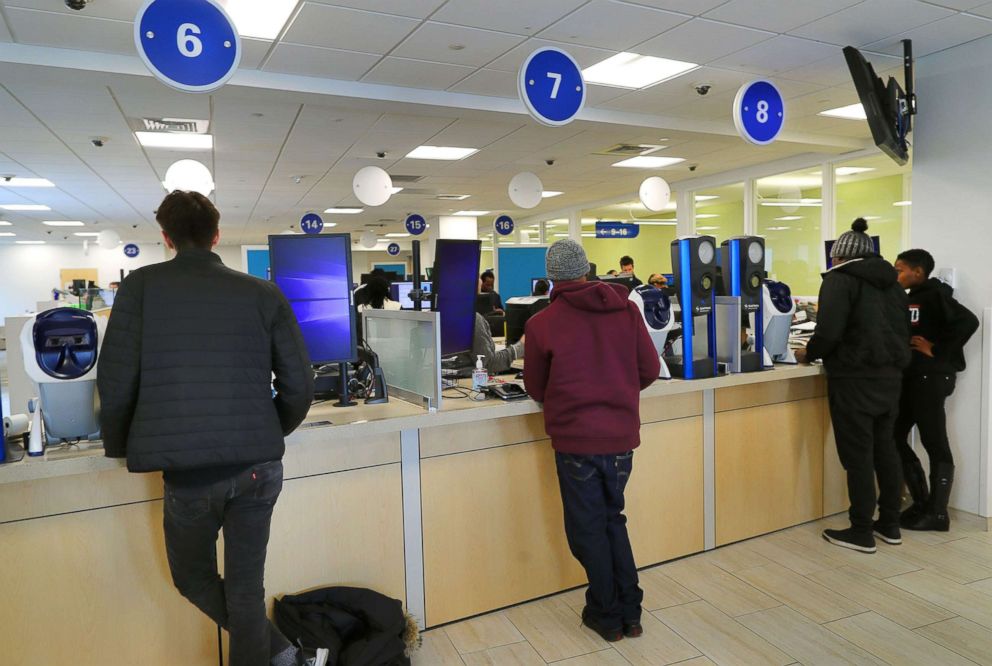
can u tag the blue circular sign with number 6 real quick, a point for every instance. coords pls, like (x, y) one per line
(416, 224)
(759, 112)
(393, 249)
(311, 223)
(551, 86)
(190, 45)
(503, 225)
(131, 250)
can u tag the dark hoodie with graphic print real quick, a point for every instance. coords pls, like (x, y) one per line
(862, 323)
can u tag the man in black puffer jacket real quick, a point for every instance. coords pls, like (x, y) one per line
(185, 381)
(862, 335)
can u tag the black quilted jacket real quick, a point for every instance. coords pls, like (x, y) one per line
(185, 371)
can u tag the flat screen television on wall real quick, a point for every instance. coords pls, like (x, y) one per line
(888, 108)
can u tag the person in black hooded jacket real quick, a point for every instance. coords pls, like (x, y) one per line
(862, 335)
(941, 327)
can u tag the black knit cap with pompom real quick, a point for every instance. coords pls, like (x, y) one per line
(860, 225)
(854, 244)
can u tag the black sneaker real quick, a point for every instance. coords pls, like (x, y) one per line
(611, 635)
(850, 538)
(633, 630)
(309, 657)
(890, 535)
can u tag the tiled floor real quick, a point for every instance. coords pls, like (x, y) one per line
(785, 598)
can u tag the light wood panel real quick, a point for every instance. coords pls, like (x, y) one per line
(769, 468)
(67, 275)
(666, 408)
(769, 393)
(463, 437)
(493, 532)
(94, 588)
(333, 454)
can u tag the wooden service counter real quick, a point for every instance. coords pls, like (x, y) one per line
(457, 513)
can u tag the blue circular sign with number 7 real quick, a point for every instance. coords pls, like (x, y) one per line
(190, 45)
(551, 86)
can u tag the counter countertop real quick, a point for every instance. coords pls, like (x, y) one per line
(326, 422)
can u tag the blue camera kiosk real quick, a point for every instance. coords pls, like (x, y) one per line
(742, 259)
(694, 262)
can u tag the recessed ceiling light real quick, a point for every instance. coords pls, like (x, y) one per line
(4, 223)
(649, 162)
(345, 211)
(707, 228)
(706, 197)
(658, 223)
(903, 203)
(24, 207)
(86, 234)
(706, 216)
(588, 235)
(631, 70)
(777, 229)
(850, 171)
(440, 153)
(547, 194)
(178, 141)
(397, 235)
(64, 223)
(801, 203)
(30, 242)
(453, 197)
(849, 112)
(395, 190)
(7, 234)
(26, 182)
(262, 20)
(789, 218)
(472, 213)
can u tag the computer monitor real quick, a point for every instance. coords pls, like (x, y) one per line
(519, 311)
(314, 272)
(455, 279)
(627, 282)
(534, 282)
(885, 105)
(400, 292)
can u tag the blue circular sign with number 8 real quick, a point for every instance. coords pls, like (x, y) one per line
(759, 112)
(190, 45)
(503, 225)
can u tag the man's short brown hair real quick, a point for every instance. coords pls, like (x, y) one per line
(189, 219)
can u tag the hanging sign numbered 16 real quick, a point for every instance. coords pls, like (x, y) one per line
(311, 223)
(416, 224)
(503, 225)
(551, 86)
(759, 112)
(190, 45)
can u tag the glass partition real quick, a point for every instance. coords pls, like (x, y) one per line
(789, 217)
(408, 344)
(651, 250)
(720, 211)
(877, 189)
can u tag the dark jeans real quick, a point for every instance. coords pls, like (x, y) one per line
(194, 515)
(922, 405)
(592, 497)
(863, 412)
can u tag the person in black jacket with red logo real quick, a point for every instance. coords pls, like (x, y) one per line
(941, 327)
(186, 388)
(862, 335)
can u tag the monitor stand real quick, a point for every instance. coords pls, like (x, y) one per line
(344, 400)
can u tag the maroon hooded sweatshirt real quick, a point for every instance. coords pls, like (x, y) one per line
(588, 356)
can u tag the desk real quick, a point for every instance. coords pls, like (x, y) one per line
(456, 513)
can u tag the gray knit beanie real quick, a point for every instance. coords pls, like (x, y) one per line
(854, 244)
(566, 260)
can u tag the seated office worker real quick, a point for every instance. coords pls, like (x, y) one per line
(627, 269)
(185, 382)
(590, 379)
(862, 335)
(483, 345)
(940, 328)
(487, 285)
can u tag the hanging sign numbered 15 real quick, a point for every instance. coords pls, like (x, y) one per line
(416, 224)
(551, 86)
(189, 45)
(759, 112)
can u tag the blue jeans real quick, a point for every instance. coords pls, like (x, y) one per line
(592, 498)
(194, 515)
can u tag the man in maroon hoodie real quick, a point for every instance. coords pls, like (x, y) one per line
(587, 359)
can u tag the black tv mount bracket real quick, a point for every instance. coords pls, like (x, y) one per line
(907, 65)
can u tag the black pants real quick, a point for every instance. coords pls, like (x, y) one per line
(863, 412)
(242, 505)
(922, 405)
(592, 497)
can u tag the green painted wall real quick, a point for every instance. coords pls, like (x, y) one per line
(874, 198)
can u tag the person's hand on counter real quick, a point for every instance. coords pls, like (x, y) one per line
(801, 356)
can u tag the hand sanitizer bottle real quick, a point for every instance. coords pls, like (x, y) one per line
(480, 377)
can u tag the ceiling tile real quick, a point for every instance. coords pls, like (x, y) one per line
(4, 31)
(960, 5)
(681, 90)
(414, 8)
(349, 29)
(416, 73)
(777, 55)
(984, 9)
(71, 32)
(253, 52)
(584, 55)
(120, 10)
(433, 41)
(474, 133)
(599, 95)
(612, 25)
(694, 7)
(522, 17)
(833, 71)
(491, 82)
(937, 36)
(871, 21)
(701, 41)
(324, 63)
(775, 15)
(398, 122)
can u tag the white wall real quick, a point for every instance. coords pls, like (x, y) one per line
(28, 273)
(952, 197)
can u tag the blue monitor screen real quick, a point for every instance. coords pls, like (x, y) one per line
(314, 272)
(400, 292)
(456, 280)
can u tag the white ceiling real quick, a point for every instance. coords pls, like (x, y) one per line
(264, 137)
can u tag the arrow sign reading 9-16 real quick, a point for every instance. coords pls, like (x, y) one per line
(190, 45)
